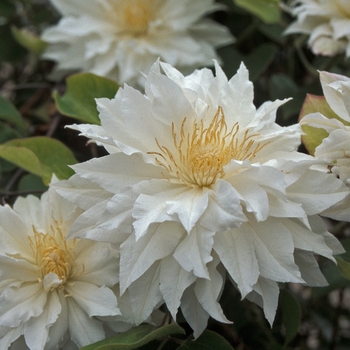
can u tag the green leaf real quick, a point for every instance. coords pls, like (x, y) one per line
(267, 10)
(31, 182)
(291, 313)
(79, 99)
(259, 60)
(256, 62)
(343, 267)
(313, 104)
(343, 260)
(208, 340)
(41, 156)
(9, 113)
(28, 40)
(313, 136)
(135, 337)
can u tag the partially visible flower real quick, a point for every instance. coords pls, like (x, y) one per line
(200, 183)
(327, 22)
(121, 38)
(52, 290)
(335, 149)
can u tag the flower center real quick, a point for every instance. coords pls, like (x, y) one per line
(200, 155)
(132, 16)
(53, 254)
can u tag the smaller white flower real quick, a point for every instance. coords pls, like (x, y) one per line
(327, 22)
(51, 288)
(121, 38)
(335, 149)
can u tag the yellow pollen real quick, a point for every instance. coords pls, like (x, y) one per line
(202, 153)
(132, 17)
(53, 254)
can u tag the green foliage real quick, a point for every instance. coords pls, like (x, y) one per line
(28, 40)
(9, 113)
(208, 340)
(135, 337)
(291, 311)
(267, 10)
(79, 100)
(41, 156)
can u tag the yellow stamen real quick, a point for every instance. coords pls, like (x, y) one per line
(132, 17)
(53, 253)
(202, 153)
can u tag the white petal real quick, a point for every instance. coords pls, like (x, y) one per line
(116, 171)
(209, 291)
(173, 282)
(100, 263)
(36, 330)
(316, 191)
(94, 300)
(9, 335)
(189, 206)
(138, 255)
(194, 312)
(236, 251)
(224, 209)
(194, 252)
(269, 292)
(143, 303)
(309, 269)
(18, 305)
(274, 249)
(83, 330)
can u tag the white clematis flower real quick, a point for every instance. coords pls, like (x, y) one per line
(335, 149)
(327, 22)
(51, 289)
(198, 183)
(121, 38)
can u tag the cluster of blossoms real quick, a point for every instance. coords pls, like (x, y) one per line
(121, 38)
(199, 184)
(335, 149)
(327, 22)
(198, 187)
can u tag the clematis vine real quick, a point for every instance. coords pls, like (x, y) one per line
(199, 185)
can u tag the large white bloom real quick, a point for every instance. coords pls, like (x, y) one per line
(121, 38)
(198, 182)
(51, 289)
(335, 149)
(327, 22)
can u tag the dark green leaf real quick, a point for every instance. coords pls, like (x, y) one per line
(9, 113)
(79, 100)
(343, 267)
(10, 50)
(31, 182)
(7, 8)
(208, 340)
(41, 156)
(135, 337)
(291, 312)
(267, 10)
